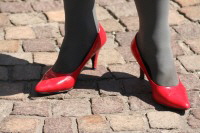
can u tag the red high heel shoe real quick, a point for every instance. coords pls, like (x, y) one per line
(57, 82)
(172, 96)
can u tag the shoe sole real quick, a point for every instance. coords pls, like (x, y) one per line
(55, 92)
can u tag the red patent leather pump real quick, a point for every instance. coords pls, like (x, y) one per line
(171, 96)
(57, 82)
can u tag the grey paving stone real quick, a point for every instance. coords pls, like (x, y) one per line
(107, 105)
(194, 118)
(110, 42)
(111, 2)
(111, 25)
(179, 67)
(125, 51)
(136, 86)
(191, 32)
(142, 102)
(2, 34)
(190, 81)
(26, 72)
(60, 124)
(19, 32)
(3, 73)
(125, 38)
(15, 7)
(32, 108)
(175, 18)
(92, 124)
(194, 45)
(132, 22)
(27, 18)
(110, 87)
(84, 89)
(56, 16)
(9, 46)
(193, 122)
(5, 109)
(15, 58)
(126, 122)
(39, 45)
(72, 107)
(46, 58)
(188, 62)
(194, 98)
(129, 70)
(47, 5)
(164, 119)
(192, 12)
(116, 57)
(176, 48)
(100, 72)
(102, 13)
(20, 124)
(12, 91)
(187, 3)
(125, 9)
(46, 30)
(4, 20)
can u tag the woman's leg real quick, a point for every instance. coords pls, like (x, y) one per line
(154, 41)
(81, 28)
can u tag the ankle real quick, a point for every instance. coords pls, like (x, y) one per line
(86, 25)
(146, 36)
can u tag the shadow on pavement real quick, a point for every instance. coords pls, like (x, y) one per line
(23, 75)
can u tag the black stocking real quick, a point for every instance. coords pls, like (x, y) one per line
(81, 28)
(154, 41)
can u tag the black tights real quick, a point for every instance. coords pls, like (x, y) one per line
(153, 38)
(81, 28)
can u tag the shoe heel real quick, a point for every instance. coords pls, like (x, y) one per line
(141, 74)
(95, 60)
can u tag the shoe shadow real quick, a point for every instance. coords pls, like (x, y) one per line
(18, 77)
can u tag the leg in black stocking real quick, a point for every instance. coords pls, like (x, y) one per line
(81, 28)
(154, 41)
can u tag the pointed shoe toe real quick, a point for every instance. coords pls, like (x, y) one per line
(172, 96)
(54, 82)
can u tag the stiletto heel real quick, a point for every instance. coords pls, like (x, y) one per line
(141, 74)
(172, 96)
(95, 60)
(58, 82)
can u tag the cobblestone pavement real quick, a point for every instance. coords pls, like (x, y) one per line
(109, 100)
